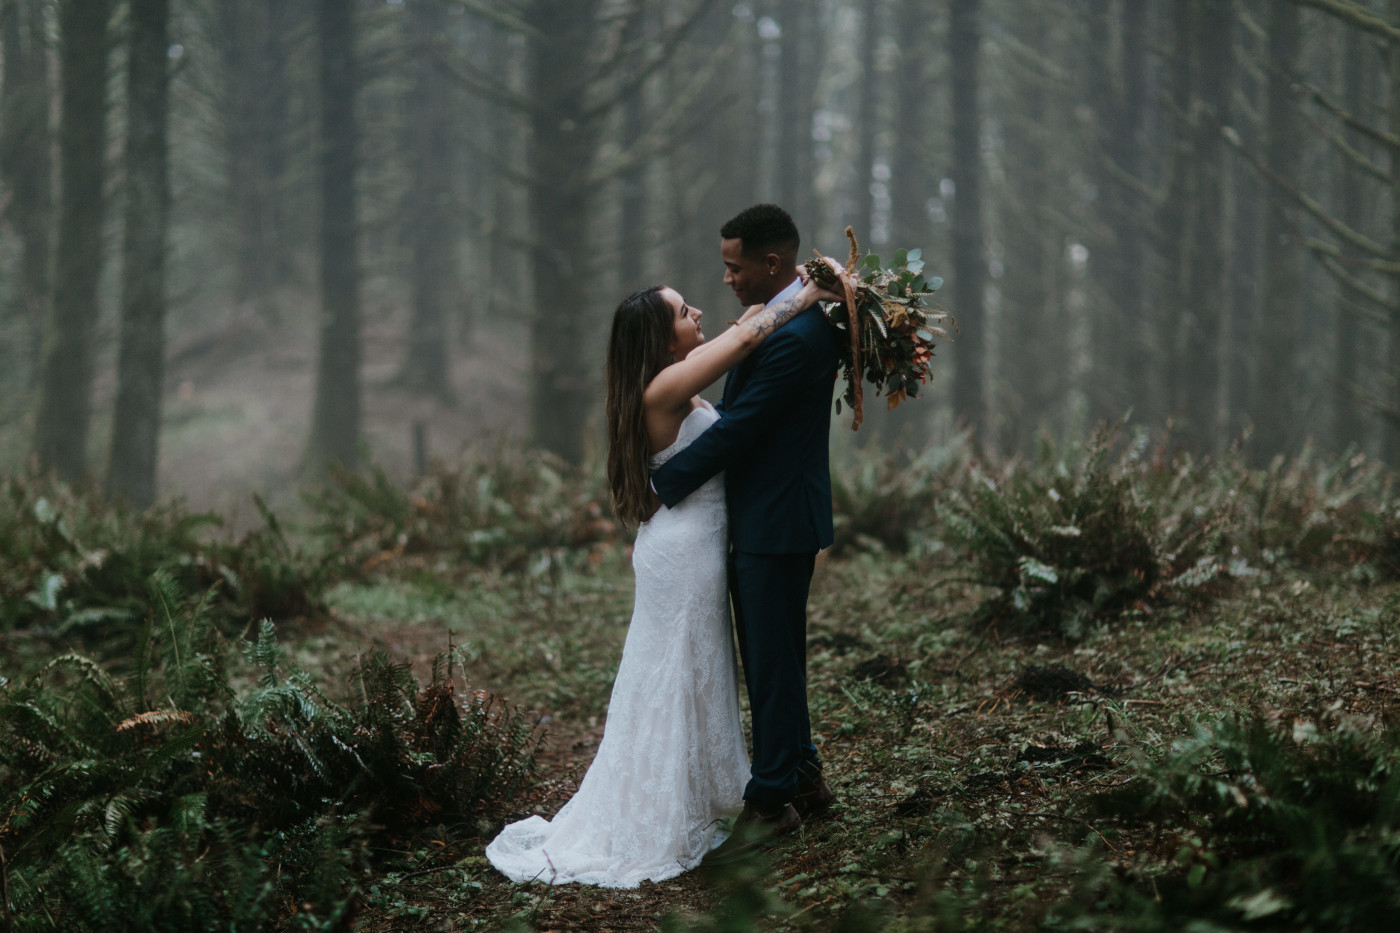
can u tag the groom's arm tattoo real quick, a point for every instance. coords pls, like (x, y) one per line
(770, 319)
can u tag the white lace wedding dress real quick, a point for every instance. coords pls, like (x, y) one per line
(672, 764)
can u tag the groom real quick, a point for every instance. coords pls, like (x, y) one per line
(771, 444)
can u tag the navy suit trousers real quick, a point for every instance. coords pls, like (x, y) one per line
(769, 593)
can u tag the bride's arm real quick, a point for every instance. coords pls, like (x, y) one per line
(676, 384)
(711, 344)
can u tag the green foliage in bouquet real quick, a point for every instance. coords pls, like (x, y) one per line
(1071, 544)
(894, 323)
(272, 788)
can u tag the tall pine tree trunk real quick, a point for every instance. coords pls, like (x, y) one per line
(562, 146)
(795, 110)
(632, 194)
(1198, 370)
(240, 29)
(25, 157)
(1392, 433)
(1127, 148)
(1109, 326)
(867, 123)
(335, 424)
(1275, 393)
(1347, 425)
(1027, 361)
(1117, 89)
(910, 173)
(431, 233)
(252, 38)
(131, 472)
(65, 402)
(1247, 246)
(969, 269)
(1175, 287)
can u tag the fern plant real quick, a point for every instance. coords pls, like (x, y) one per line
(1282, 827)
(77, 565)
(887, 501)
(162, 773)
(1069, 544)
(501, 510)
(1311, 511)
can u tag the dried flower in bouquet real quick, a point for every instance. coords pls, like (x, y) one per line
(891, 344)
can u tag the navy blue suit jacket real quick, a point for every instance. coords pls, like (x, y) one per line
(771, 442)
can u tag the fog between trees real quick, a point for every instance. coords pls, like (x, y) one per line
(1184, 209)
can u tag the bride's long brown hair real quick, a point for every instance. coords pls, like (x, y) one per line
(639, 347)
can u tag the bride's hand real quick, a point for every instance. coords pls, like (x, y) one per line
(814, 292)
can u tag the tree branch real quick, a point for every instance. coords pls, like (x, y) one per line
(500, 17)
(1354, 14)
(1365, 129)
(1301, 198)
(652, 142)
(668, 42)
(1354, 285)
(473, 79)
(1350, 152)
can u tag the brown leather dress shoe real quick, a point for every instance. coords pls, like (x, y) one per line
(777, 822)
(813, 797)
(753, 830)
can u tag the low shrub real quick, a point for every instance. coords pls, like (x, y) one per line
(888, 501)
(1078, 539)
(508, 510)
(78, 565)
(1276, 825)
(1315, 512)
(108, 779)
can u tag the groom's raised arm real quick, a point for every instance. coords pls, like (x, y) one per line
(775, 380)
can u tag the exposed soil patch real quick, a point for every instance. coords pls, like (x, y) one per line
(883, 669)
(1052, 683)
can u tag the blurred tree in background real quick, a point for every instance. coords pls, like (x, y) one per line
(1186, 209)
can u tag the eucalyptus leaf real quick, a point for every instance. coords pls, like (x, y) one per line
(935, 283)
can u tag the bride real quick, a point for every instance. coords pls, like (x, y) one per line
(672, 763)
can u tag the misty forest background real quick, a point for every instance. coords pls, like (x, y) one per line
(308, 580)
(244, 237)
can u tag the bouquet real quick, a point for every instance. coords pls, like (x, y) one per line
(885, 326)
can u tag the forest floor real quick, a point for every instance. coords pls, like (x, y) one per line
(976, 771)
(965, 764)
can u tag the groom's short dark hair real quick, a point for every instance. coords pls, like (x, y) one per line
(763, 229)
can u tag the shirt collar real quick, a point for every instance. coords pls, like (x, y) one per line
(790, 292)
